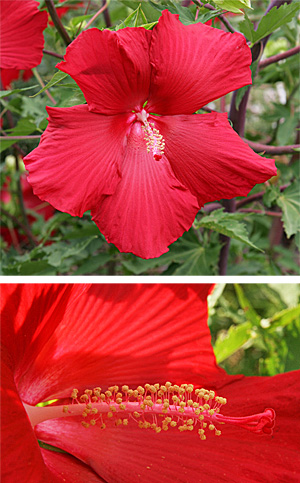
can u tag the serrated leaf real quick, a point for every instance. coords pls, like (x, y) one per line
(236, 337)
(271, 195)
(289, 202)
(228, 224)
(59, 251)
(275, 18)
(58, 77)
(233, 5)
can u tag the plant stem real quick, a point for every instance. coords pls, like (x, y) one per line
(102, 9)
(40, 81)
(278, 57)
(277, 214)
(56, 20)
(223, 19)
(21, 225)
(53, 54)
(259, 148)
(256, 197)
(8, 138)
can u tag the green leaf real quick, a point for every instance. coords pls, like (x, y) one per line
(58, 252)
(16, 91)
(49, 447)
(24, 127)
(58, 77)
(245, 304)
(93, 264)
(289, 202)
(228, 224)
(136, 19)
(284, 318)
(186, 16)
(233, 5)
(271, 195)
(234, 340)
(274, 19)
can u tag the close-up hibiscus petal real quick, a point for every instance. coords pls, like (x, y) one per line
(22, 40)
(119, 383)
(136, 155)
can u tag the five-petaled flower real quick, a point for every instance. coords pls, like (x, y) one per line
(136, 155)
(22, 40)
(62, 342)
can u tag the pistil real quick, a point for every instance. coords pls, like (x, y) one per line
(157, 407)
(154, 140)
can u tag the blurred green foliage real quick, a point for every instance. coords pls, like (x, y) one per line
(255, 328)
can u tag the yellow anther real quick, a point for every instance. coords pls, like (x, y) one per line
(158, 430)
(140, 424)
(201, 431)
(168, 384)
(112, 408)
(136, 414)
(181, 410)
(125, 388)
(119, 395)
(201, 417)
(88, 392)
(108, 393)
(217, 432)
(190, 428)
(94, 411)
(212, 394)
(181, 391)
(147, 386)
(122, 407)
(125, 422)
(116, 388)
(85, 424)
(197, 412)
(109, 415)
(156, 386)
(118, 422)
(182, 404)
(176, 388)
(103, 426)
(168, 419)
(102, 396)
(165, 427)
(89, 406)
(204, 425)
(189, 422)
(190, 402)
(211, 427)
(206, 406)
(165, 410)
(159, 401)
(95, 399)
(84, 398)
(195, 405)
(111, 389)
(93, 422)
(173, 424)
(135, 393)
(119, 400)
(152, 389)
(211, 412)
(163, 388)
(65, 409)
(190, 388)
(130, 392)
(141, 390)
(74, 394)
(97, 389)
(206, 397)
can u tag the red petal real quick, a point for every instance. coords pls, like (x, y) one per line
(78, 158)
(237, 455)
(17, 464)
(111, 68)
(67, 469)
(209, 157)
(106, 334)
(22, 40)
(193, 65)
(150, 208)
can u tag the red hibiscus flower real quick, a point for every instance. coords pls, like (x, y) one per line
(22, 40)
(144, 176)
(60, 337)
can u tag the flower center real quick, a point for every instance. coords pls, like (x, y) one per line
(154, 140)
(157, 407)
